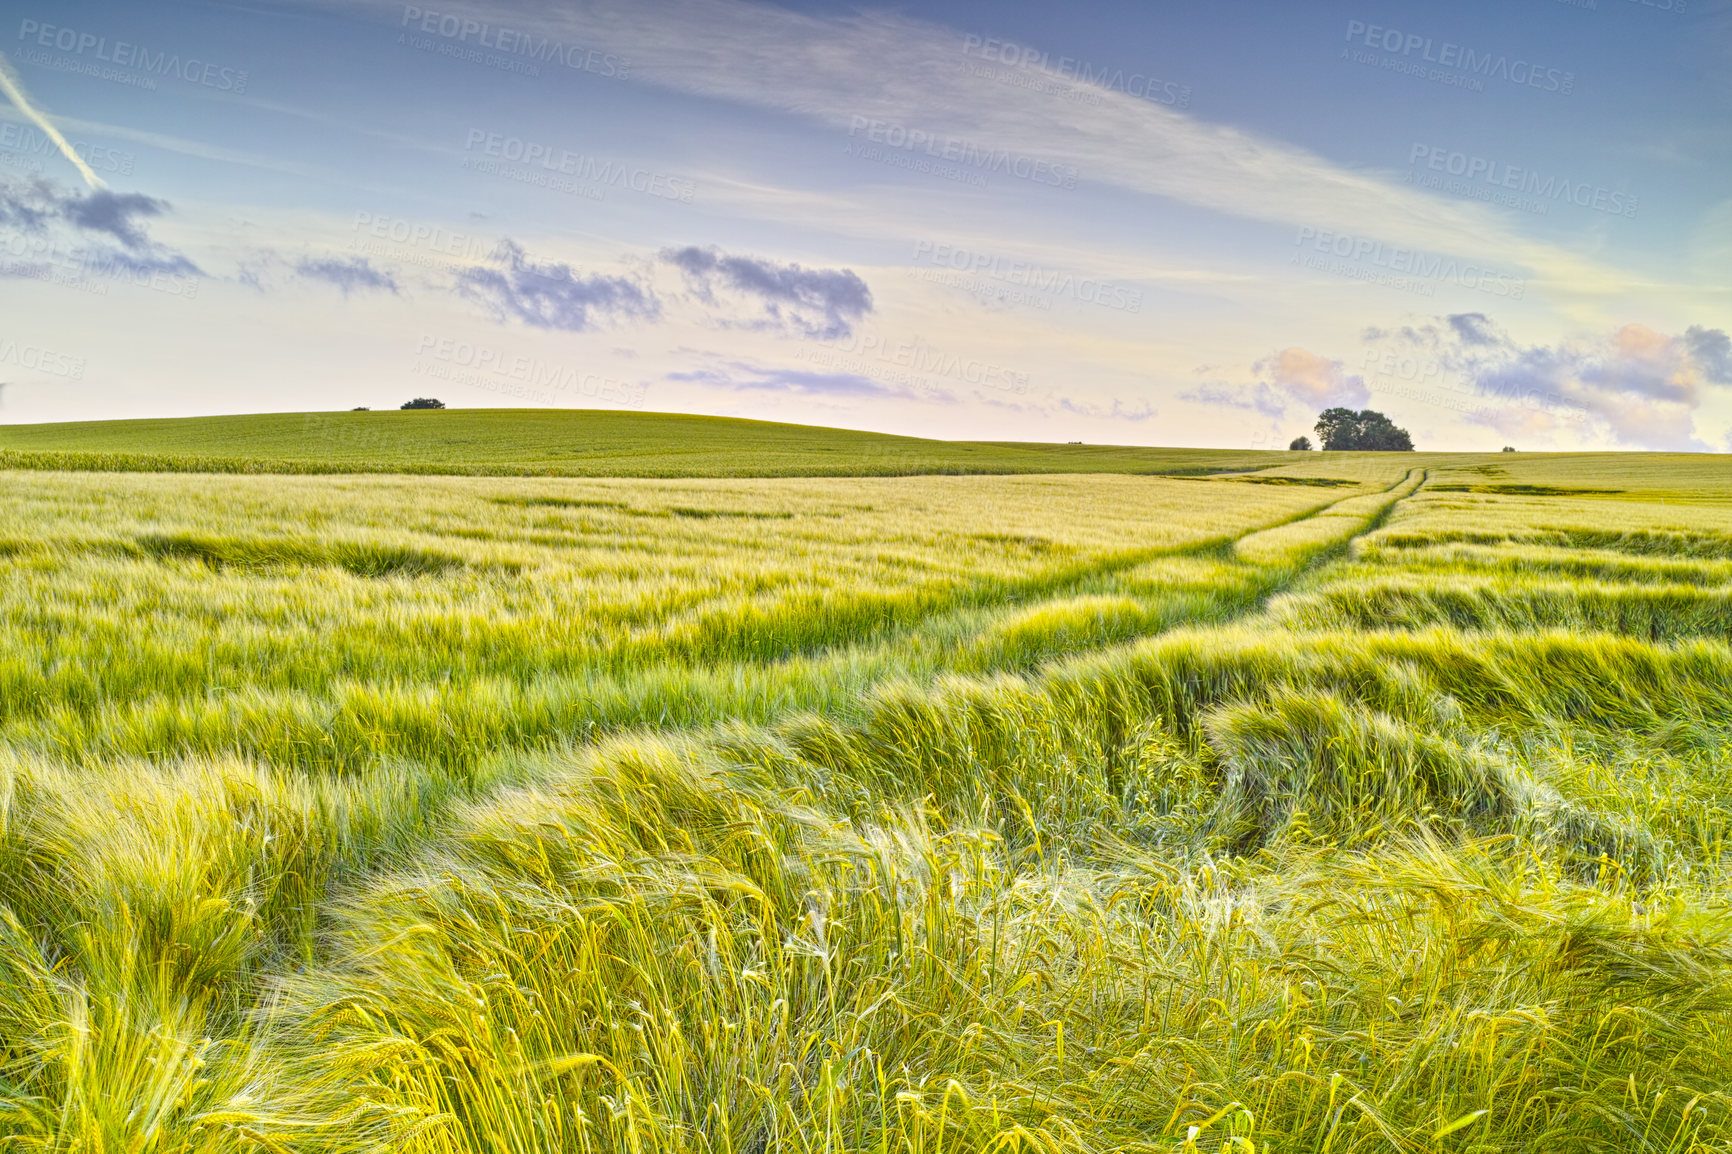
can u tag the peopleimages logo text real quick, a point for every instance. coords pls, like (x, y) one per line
(1523, 180)
(567, 163)
(26, 139)
(923, 359)
(963, 152)
(42, 360)
(1407, 262)
(443, 357)
(1086, 290)
(515, 42)
(1139, 84)
(431, 237)
(123, 54)
(1450, 55)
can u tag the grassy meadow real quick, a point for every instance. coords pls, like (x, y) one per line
(1363, 802)
(558, 443)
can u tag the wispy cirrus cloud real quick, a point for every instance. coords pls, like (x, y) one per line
(178, 145)
(894, 70)
(13, 88)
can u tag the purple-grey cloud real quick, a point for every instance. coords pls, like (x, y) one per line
(1643, 387)
(118, 262)
(1259, 397)
(354, 274)
(1474, 329)
(1712, 350)
(1117, 411)
(553, 295)
(119, 215)
(742, 377)
(822, 303)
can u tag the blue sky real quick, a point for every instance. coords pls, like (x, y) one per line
(1130, 223)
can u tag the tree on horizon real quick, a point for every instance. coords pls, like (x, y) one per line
(1366, 430)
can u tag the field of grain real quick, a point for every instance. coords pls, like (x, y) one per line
(917, 814)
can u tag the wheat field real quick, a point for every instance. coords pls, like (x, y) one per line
(1381, 807)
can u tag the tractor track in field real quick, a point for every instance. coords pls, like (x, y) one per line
(1333, 551)
(1224, 548)
(1097, 577)
(1072, 580)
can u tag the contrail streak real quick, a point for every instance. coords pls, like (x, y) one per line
(14, 89)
